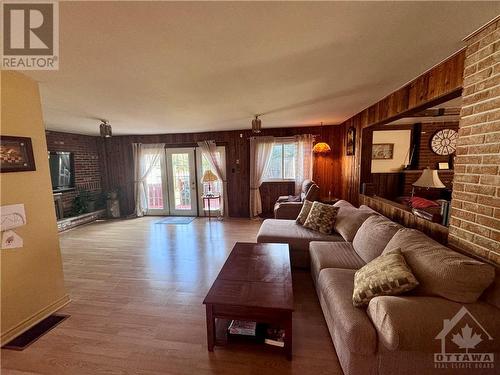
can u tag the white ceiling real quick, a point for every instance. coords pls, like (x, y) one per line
(160, 67)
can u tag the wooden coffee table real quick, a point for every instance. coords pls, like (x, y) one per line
(255, 284)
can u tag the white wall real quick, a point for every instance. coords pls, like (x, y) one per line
(401, 140)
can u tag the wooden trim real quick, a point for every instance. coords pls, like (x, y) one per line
(34, 319)
(487, 24)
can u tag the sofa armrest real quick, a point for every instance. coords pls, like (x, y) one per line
(287, 210)
(412, 323)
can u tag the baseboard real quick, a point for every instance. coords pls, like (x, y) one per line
(34, 319)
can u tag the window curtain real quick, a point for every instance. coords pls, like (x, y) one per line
(209, 150)
(260, 156)
(303, 160)
(145, 157)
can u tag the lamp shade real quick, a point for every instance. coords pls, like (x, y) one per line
(321, 148)
(209, 176)
(429, 179)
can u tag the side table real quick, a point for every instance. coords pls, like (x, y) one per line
(208, 198)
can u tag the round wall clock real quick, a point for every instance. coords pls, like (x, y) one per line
(444, 142)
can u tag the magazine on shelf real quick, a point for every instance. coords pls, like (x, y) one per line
(275, 337)
(242, 327)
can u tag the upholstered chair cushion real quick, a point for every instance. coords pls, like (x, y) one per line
(313, 193)
(321, 217)
(440, 270)
(387, 275)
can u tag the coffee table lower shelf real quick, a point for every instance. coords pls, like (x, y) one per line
(218, 335)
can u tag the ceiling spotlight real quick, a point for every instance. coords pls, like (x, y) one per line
(256, 124)
(105, 129)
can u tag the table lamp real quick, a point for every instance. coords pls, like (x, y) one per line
(207, 178)
(429, 179)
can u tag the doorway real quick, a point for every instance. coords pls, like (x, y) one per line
(171, 184)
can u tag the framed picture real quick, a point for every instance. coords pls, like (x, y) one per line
(382, 151)
(351, 141)
(16, 154)
(443, 165)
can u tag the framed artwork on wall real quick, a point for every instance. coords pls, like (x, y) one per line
(351, 141)
(16, 154)
(383, 151)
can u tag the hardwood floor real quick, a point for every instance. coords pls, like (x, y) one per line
(137, 289)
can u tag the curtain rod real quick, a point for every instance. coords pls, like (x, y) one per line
(290, 137)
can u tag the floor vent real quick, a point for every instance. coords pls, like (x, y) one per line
(34, 333)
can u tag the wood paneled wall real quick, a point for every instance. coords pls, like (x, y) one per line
(116, 154)
(439, 84)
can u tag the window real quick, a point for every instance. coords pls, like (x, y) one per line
(282, 164)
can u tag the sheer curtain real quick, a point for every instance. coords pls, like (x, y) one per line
(260, 156)
(209, 150)
(303, 160)
(145, 157)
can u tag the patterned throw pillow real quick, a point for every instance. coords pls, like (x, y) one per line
(386, 275)
(304, 212)
(321, 217)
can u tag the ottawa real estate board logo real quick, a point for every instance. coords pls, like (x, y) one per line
(30, 35)
(461, 339)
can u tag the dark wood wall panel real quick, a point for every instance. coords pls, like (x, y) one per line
(441, 83)
(270, 191)
(118, 163)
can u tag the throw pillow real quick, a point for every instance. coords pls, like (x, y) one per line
(387, 275)
(321, 218)
(304, 212)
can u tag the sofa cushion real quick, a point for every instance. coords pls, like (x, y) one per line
(333, 255)
(348, 221)
(304, 212)
(412, 323)
(288, 231)
(367, 208)
(343, 203)
(386, 275)
(321, 217)
(440, 270)
(352, 324)
(373, 235)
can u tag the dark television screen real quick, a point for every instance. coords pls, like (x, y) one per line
(61, 170)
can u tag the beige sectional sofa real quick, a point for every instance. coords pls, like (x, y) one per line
(400, 334)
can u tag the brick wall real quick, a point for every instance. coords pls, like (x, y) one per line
(86, 159)
(427, 157)
(475, 222)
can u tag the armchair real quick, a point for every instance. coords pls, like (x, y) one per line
(288, 207)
